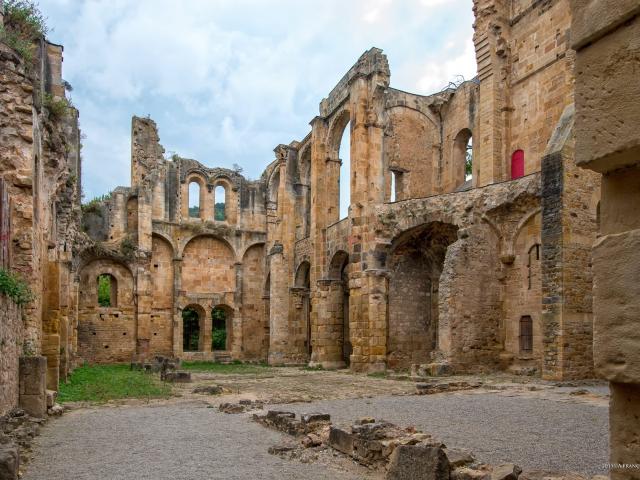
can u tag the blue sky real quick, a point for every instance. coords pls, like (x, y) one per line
(228, 80)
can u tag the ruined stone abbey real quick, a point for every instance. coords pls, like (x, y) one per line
(431, 266)
(466, 248)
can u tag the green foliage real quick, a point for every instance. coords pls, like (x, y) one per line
(14, 287)
(23, 25)
(218, 211)
(57, 107)
(95, 204)
(101, 383)
(219, 329)
(191, 330)
(127, 247)
(225, 368)
(104, 290)
(194, 212)
(219, 339)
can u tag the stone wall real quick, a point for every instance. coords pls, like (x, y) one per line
(11, 337)
(606, 36)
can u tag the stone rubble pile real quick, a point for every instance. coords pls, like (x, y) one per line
(403, 453)
(17, 431)
(241, 407)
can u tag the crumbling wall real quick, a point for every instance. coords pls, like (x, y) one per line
(106, 334)
(11, 331)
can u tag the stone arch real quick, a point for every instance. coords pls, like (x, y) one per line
(208, 266)
(339, 322)
(188, 240)
(411, 159)
(415, 264)
(459, 157)
(106, 334)
(199, 178)
(302, 278)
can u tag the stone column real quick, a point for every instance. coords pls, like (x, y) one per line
(33, 385)
(606, 37)
(278, 307)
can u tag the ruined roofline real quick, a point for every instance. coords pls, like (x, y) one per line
(370, 62)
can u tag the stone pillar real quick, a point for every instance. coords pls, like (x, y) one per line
(33, 385)
(327, 336)
(490, 38)
(606, 37)
(278, 307)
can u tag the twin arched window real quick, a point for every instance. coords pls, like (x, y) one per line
(219, 201)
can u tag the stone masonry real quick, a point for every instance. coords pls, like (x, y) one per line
(480, 272)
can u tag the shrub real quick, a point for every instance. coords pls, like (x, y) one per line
(127, 247)
(57, 107)
(23, 25)
(219, 339)
(14, 287)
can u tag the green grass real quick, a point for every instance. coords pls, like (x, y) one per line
(225, 368)
(101, 383)
(377, 375)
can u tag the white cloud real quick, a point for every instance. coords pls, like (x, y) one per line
(227, 81)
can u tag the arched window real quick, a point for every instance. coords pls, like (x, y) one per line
(463, 155)
(526, 334)
(221, 328)
(533, 256)
(194, 200)
(344, 153)
(517, 164)
(107, 290)
(190, 330)
(220, 202)
(392, 198)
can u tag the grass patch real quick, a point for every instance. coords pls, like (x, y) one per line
(101, 383)
(377, 375)
(225, 368)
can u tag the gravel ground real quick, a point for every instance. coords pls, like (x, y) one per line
(534, 433)
(183, 441)
(186, 440)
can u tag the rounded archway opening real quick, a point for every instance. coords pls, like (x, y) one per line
(221, 328)
(338, 273)
(463, 157)
(192, 329)
(415, 264)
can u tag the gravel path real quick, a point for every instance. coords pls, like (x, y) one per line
(184, 441)
(534, 433)
(188, 441)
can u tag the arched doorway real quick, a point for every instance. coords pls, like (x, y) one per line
(463, 157)
(340, 299)
(221, 328)
(415, 265)
(192, 329)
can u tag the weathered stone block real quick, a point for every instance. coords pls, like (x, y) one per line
(33, 381)
(314, 418)
(408, 462)
(459, 457)
(177, 377)
(341, 440)
(591, 19)
(617, 302)
(608, 138)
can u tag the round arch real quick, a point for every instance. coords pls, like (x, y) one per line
(188, 240)
(338, 263)
(302, 278)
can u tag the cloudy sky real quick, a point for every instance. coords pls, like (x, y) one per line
(228, 80)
